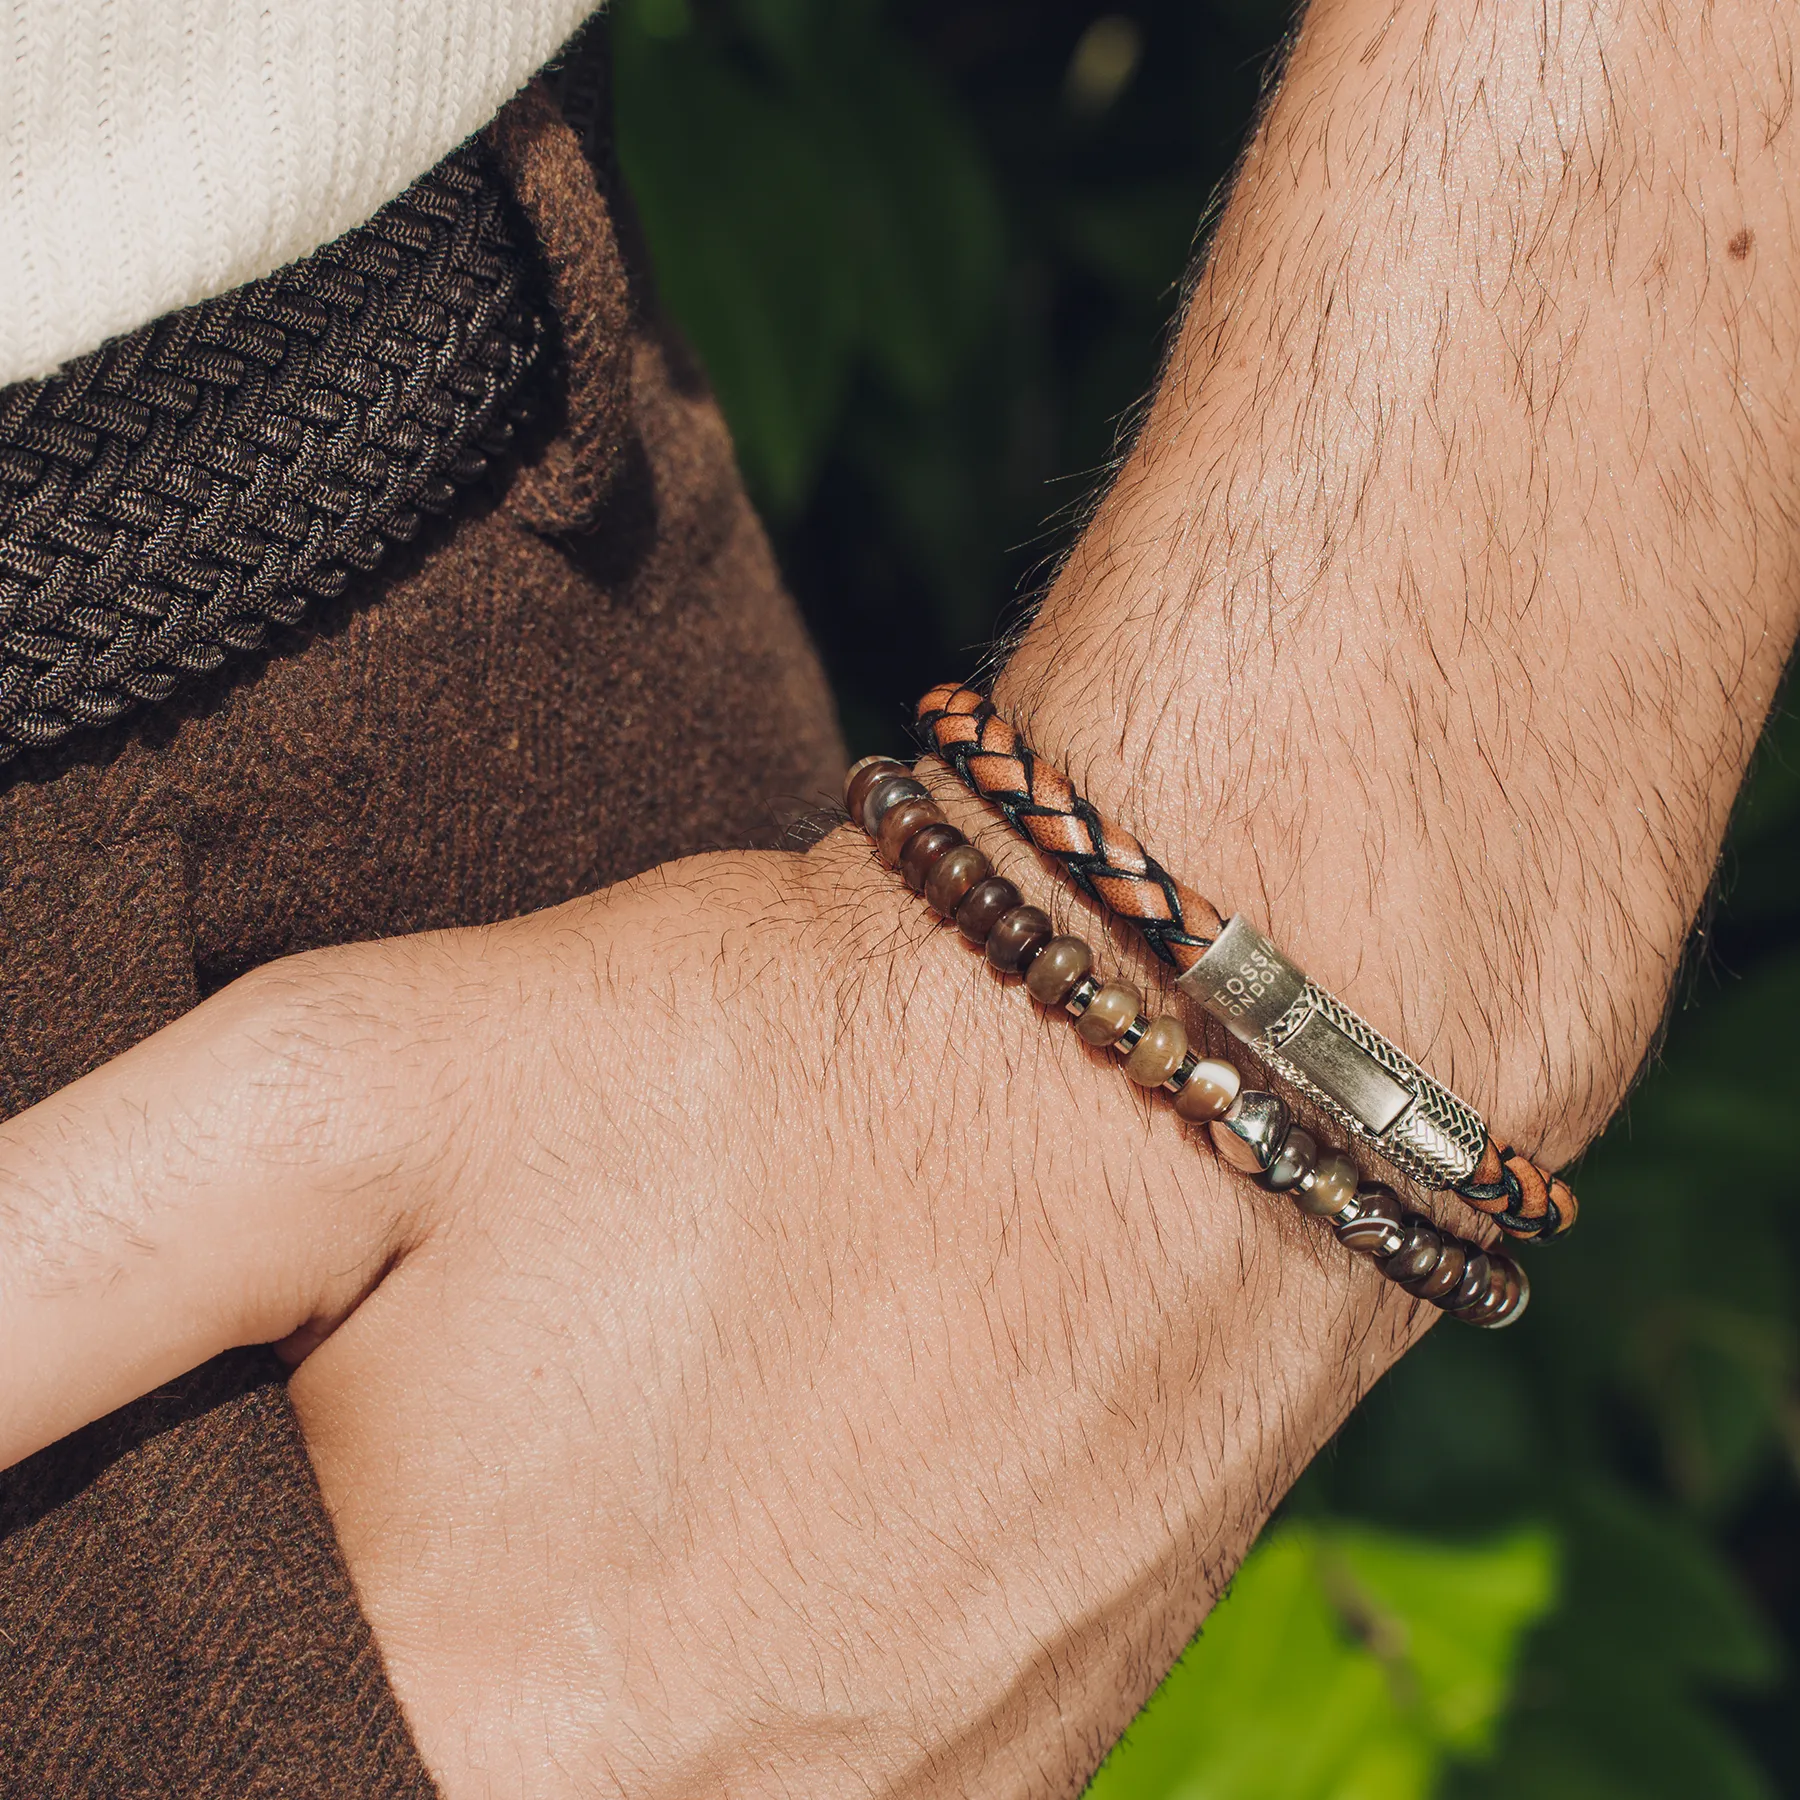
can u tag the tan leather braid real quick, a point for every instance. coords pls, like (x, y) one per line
(1039, 802)
(1115, 871)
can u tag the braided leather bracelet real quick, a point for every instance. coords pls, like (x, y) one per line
(1306, 1036)
(1253, 1132)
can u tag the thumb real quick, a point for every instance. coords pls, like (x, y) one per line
(247, 1175)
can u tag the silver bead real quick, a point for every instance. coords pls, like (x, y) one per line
(1311, 1041)
(1081, 996)
(886, 795)
(1294, 1161)
(1251, 1131)
(1127, 1040)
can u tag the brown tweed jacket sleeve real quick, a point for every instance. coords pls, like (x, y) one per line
(475, 725)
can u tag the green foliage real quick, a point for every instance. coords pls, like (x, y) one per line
(927, 252)
(813, 207)
(1652, 1619)
(1345, 1664)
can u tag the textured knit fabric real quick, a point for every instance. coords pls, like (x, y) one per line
(157, 152)
(168, 498)
(593, 670)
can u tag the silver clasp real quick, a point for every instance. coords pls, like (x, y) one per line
(1315, 1043)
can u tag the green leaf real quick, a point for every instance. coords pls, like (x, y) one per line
(1457, 1615)
(1345, 1664)
(810, 210)
(1648, 1581)
(740, 212)
(922, 216)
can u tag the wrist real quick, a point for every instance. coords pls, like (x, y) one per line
(1183, 1312)
(1285, 775)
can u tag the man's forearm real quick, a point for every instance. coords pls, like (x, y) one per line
(1438, 606)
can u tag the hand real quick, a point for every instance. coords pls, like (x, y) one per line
(746, 1349)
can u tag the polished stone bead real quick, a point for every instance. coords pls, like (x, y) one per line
(1014, 942)
(957, 871)
(1472, 1287)
(1417, 1256)
(1251, 1131)
(1329, 1188)
(1499, 1304)
(1482, 1310)
(1109, 1013)
(1375, 1230)
(984, 906)
(1208, 1091)
(1517, 1297)
(922, 851)
(862, 777)
(1293, 1161)
(1055, 970)
(898, 824)
(1435, 1283)
(885, 795)
(1158, 1053)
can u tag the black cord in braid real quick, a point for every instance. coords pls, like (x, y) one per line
(1486, 1195)
(1105, 862)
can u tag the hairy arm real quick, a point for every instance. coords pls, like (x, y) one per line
(756, 1355)
(1440, 602)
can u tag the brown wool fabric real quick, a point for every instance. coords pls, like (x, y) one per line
(590, 668)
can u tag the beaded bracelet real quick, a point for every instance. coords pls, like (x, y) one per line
(1254, 1132)
(1305, 1036)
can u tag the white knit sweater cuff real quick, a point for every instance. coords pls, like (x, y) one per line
(158, 152)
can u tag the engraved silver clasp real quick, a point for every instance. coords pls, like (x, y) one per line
(1311, 1040)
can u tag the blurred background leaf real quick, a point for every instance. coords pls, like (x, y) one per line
(1345, 1664)
(928, 252)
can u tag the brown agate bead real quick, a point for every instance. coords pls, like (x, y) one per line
(1376, 1229)
(884, 796)
(1503, 1284)
(1329, 1188)
(984, 906)
(923, 848)
(1207, 1092)
(1292, 1163)
(863, 777)
(1417, 1256)
(1435, 1283)
(1056, 968)
(1515, 1299)
(1158, 1053)
(1472, 1287)
(957, 871)
(898, 824)
(1013, 944)
(1109, 1014)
